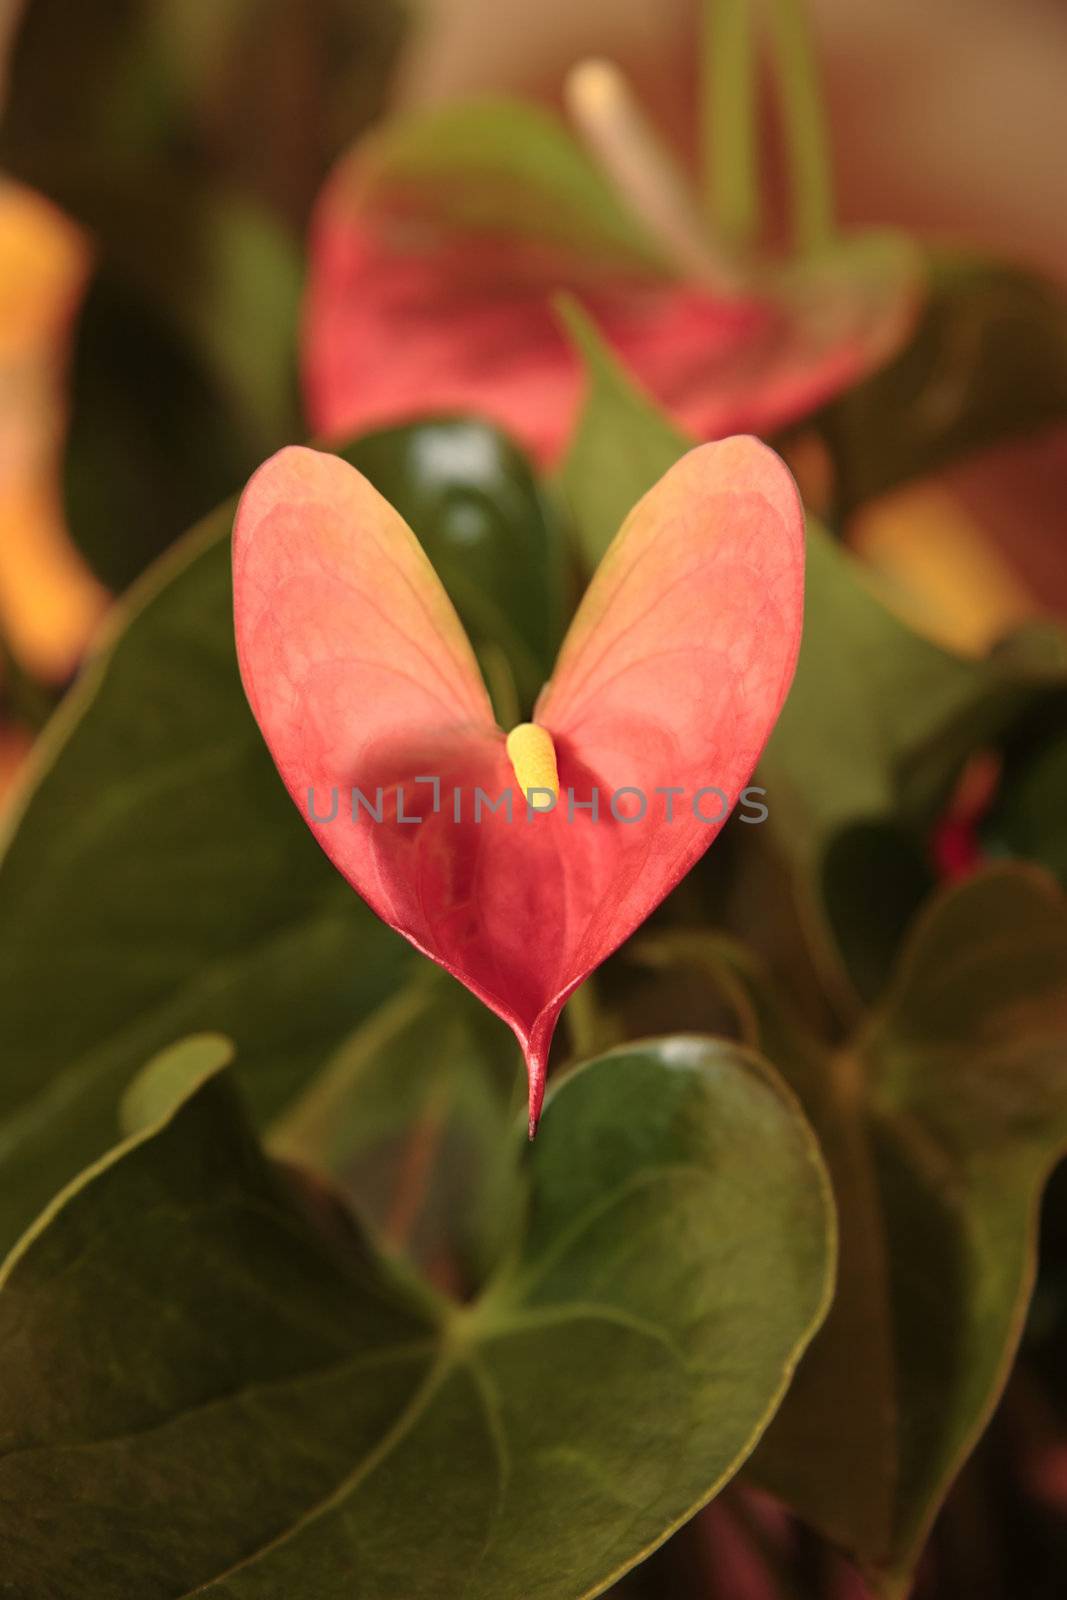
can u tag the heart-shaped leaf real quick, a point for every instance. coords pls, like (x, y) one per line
(667, 684)
(940, 1122)
(205, 1393)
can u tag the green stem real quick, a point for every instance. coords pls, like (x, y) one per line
(500, 681)
(805, 125)
(584, 1021)
(729, 113)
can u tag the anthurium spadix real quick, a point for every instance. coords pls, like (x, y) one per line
(519, 859)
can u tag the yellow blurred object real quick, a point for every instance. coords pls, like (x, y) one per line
(943, 573)
(44, 260)
(49, 601)
(50, 604)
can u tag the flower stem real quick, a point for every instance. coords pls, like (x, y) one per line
(805, 125)
(584, 1021)
(500, 681)
(729, 143)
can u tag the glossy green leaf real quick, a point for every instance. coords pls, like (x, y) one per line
(623, 444)
(203, 1393)
(987, 361)
(940, 1121)
(489, 530)
(157, 881)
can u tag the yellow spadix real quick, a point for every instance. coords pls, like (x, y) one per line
(533, 758)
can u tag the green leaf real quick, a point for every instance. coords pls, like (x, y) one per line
(151, 439)
(880, 719)
(158, 881)
(987, 361)
(205, 288)
(1028, 817)
(940, 1122)
(205, 1394)
(875, 877)
(231, 279)
(412, 1118)
(623, 443)
(170, 1078)
(490, 531)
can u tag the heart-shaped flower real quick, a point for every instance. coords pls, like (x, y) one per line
(520, 861)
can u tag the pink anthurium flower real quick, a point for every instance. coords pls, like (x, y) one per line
(438, 246)
(519, 861)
